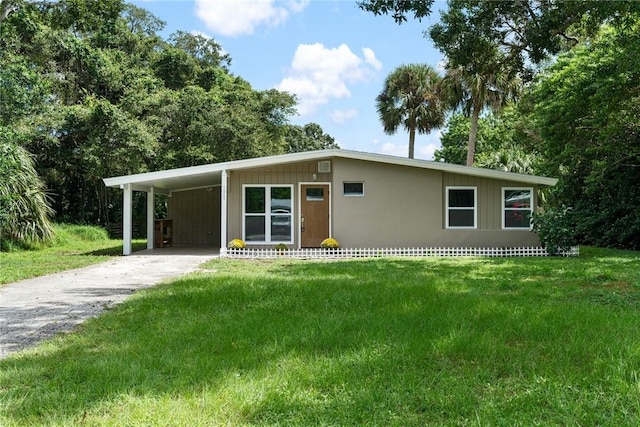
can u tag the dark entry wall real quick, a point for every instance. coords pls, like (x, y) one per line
(196, 216)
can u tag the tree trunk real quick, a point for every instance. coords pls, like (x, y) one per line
(412, 141)
(473, 133)
(6, 7)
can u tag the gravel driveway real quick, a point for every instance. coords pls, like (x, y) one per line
(36, 309)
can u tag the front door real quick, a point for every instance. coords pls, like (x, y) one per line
(314, 214)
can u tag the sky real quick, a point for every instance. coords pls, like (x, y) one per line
(332, 55)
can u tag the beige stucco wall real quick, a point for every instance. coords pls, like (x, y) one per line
(405, 206)
(401, 206)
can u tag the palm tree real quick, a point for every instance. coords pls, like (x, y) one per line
(472, 91)
(509, 158)
(411, 97)
(24, 209)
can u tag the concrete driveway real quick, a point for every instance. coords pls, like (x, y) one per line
(36, 309)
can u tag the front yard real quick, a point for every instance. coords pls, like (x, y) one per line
(469, 341)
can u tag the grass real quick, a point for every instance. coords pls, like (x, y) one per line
(76, 246)
(390, 342)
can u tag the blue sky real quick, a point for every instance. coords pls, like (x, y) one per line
(329, 53)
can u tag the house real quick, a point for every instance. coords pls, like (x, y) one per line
(363, 200)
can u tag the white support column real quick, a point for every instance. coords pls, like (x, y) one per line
(223, 213)
(150, 217)
(127, 221)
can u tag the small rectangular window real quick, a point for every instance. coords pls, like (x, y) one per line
(461, 207)
(517, 205)
(353, 189)
(315, 194)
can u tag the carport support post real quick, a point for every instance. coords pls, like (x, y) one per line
(223, 213)
(127, 221)
(150, 217)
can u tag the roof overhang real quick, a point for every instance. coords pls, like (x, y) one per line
(167, 181)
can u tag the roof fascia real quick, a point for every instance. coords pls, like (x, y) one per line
(324, 154)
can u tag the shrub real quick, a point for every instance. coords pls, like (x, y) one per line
(556, 229)
(237, 244)
(330, 243)
(281, 247)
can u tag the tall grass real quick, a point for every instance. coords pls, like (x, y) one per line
(74, 246)
(375, 342)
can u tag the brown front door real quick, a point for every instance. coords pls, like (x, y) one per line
(314, 219)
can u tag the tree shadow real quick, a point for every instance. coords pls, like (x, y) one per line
(386, 331)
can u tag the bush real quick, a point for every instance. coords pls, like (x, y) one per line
(556, 229)
(330, 243)
(236, 244)
(281, 247)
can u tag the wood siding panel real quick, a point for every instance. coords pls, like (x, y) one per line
(196, 216)
(284, 174)
(489, 197)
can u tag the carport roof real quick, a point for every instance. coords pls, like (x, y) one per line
(192, 177)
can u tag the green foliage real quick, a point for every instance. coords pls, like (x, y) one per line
(584, 111)
(69, 233)
(556, 229)
(74, 246)
(486, 84)
(411, 97)
(24, 209)
(93, 91)
(411, 342)
(398, 9)
(281, 247)
(502, 143)
(309, 137)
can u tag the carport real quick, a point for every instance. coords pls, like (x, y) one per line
(166, 183)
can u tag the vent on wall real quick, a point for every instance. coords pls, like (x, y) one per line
(324, 166)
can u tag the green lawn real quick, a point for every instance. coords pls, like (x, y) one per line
(76, 246)
(404, 342)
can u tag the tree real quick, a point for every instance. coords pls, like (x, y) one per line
(584, 113)
(526, 31)
(411, 98)
(92, 91)
(308, 138)
(24, 209)
(472, 89)
(397, 8)
(502, 142)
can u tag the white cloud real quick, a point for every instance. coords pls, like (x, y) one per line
(427, 151)
(343, 116)
(242, 17)
(395, 150)
(319, 74)
(370, 58)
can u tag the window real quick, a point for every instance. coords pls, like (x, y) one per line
(461, 207)
(353, 189)
(315, 194)
(517, 205)
(267, 214)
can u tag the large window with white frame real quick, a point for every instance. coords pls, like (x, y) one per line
(517, 206)
(462, 207)
(267, 213)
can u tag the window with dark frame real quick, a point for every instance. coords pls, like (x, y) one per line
(461, 207)
(353, 189)
(267, 214)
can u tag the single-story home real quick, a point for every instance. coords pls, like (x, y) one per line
(361, 199)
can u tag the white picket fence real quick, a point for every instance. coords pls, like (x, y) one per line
(342, 253)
